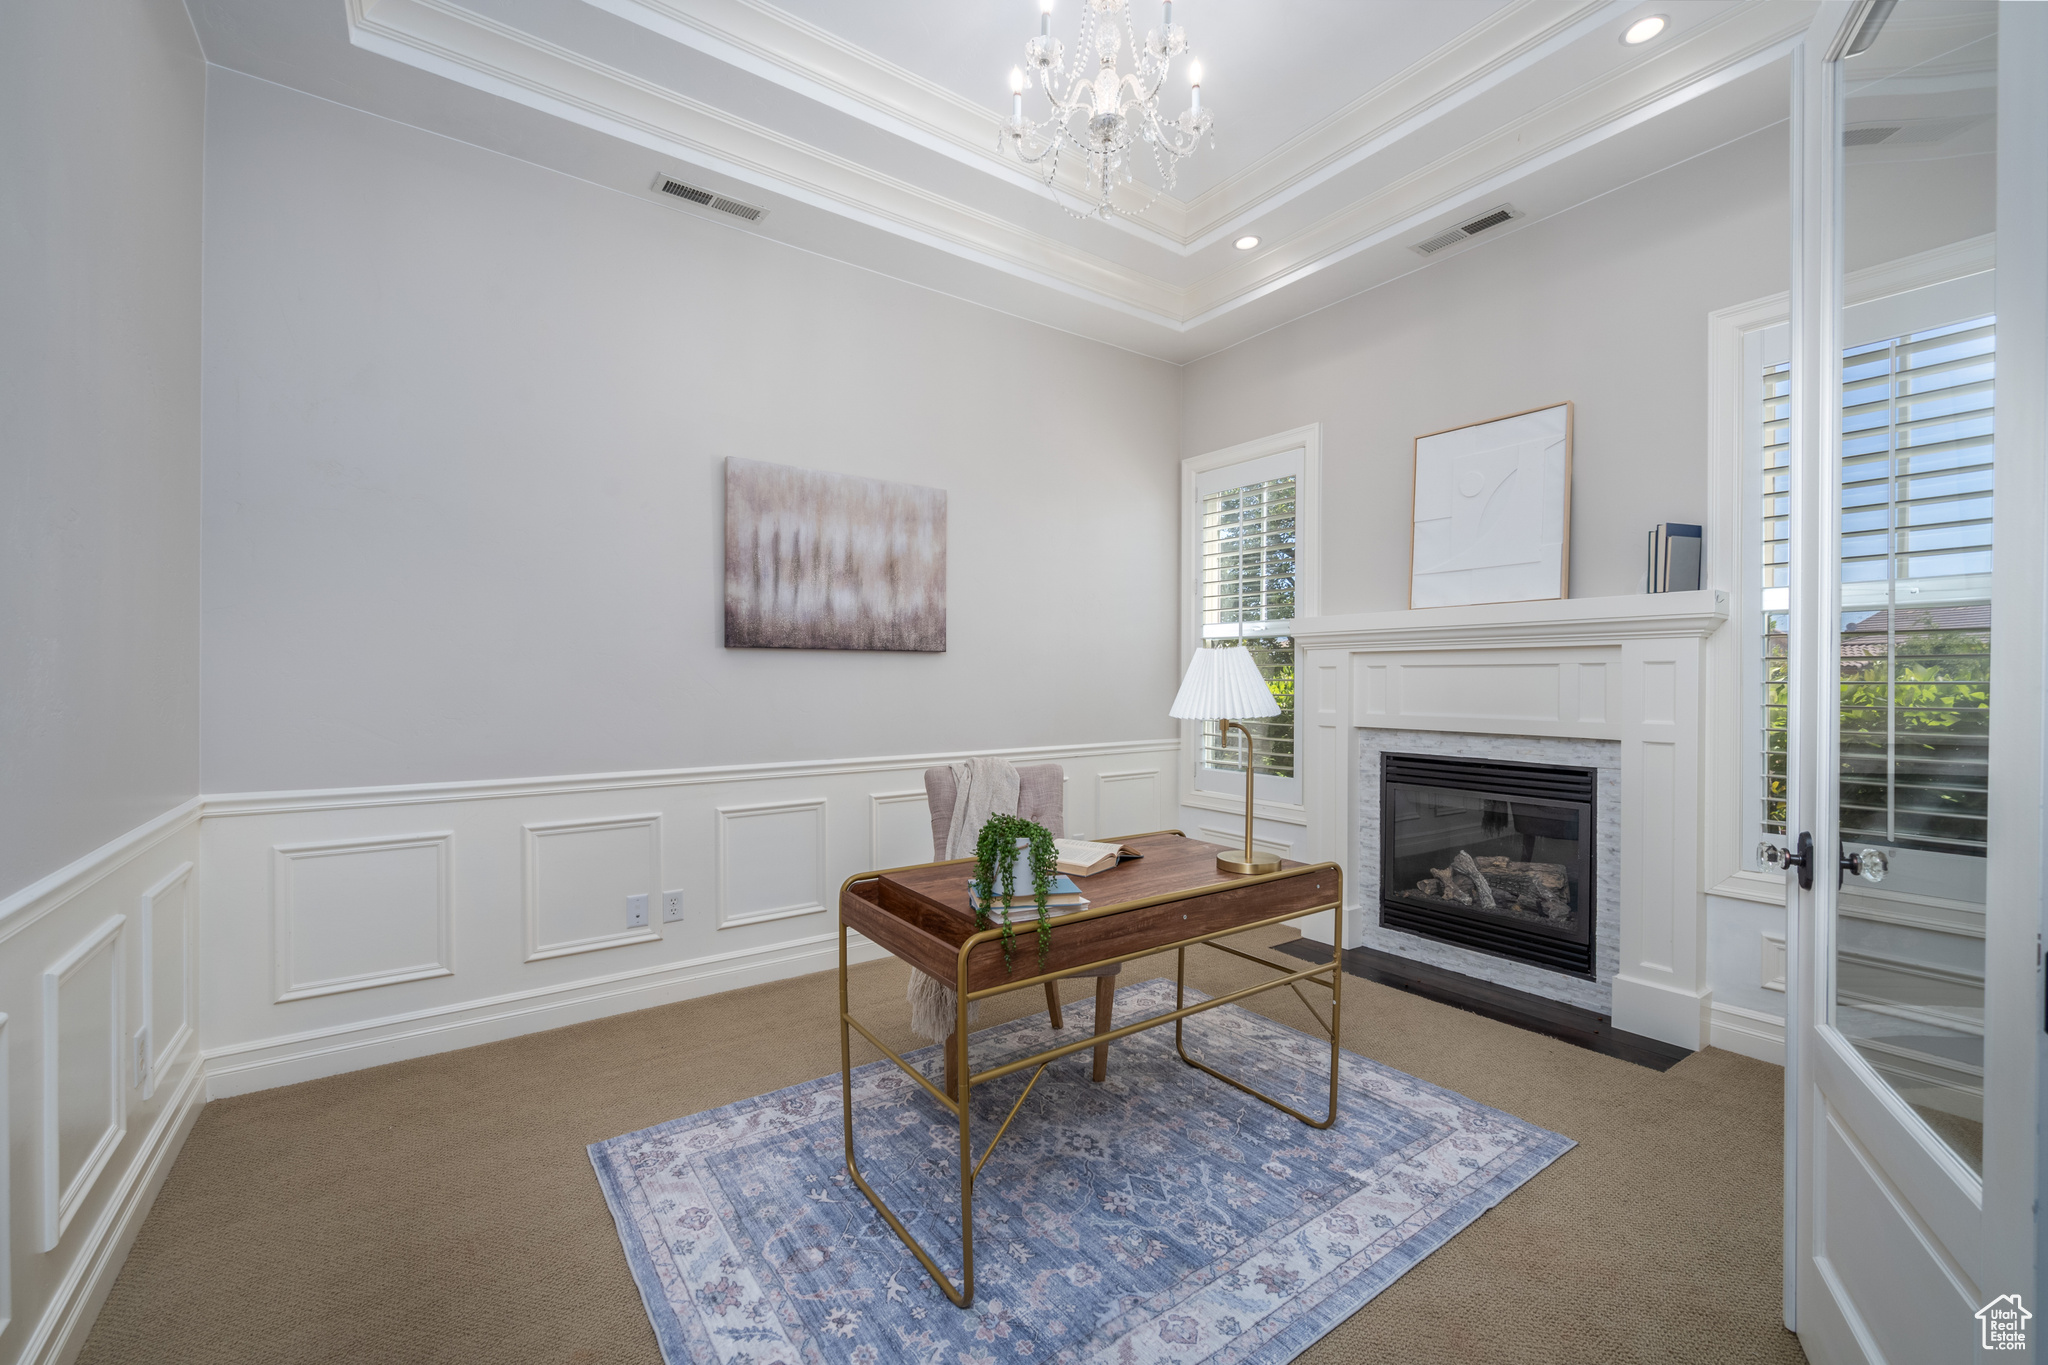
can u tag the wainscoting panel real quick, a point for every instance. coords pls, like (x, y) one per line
(900, 829)
(82, 1140)
(166, 934)
(539, 872)
(84, 1108)
(1128, 802)
(351, 914)
(771, 861)
(578, 876)
(1233, 838)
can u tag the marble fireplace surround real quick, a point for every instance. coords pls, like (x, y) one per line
(1628, 671)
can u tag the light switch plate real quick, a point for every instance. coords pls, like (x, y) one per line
(671, 906)
(140, 1057)
(636, 911)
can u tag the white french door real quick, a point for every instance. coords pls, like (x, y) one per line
(1912, 693)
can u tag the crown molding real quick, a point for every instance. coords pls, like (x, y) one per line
(800, 57)
(1733, 45)
(445, 38)
(448, 40)
(1503, 46)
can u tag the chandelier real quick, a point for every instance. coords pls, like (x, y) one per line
(1103, 115)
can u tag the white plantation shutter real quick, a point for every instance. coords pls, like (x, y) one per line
(1917, 461)
(1246, 592)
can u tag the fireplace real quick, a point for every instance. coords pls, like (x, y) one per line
(1490, 855)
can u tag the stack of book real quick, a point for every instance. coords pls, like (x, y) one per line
(1674, 557)
(1063, 899)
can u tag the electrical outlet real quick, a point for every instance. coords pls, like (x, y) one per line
(671, 906)
(141, 1057)
(636, 911)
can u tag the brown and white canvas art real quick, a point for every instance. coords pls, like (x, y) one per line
(831, 561)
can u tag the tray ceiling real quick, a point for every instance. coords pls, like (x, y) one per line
(1345, 131)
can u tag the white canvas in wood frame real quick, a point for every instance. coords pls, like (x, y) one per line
(1493, 511)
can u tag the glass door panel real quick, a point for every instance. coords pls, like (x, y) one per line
(1914, 493)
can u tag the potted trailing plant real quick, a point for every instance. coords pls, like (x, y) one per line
(995, 875)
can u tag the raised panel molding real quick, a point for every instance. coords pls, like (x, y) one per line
(165, 917)
(1234, 838)
(353, 914)
(900, 828)
(1481, 691)
(1127, 802)
(578, 875)
(75, 1118)
(771, 861)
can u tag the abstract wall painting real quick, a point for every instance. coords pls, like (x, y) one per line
(831, 561)
(1493, 511)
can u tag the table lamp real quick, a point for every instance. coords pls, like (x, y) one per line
(1224, 684)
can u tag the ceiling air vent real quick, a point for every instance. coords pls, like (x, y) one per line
(753, 213)
(1429, 246)
(1866, 137)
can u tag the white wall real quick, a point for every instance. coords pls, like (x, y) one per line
(101, 124)
(101, 108)
(1604, 305)
(466, 424)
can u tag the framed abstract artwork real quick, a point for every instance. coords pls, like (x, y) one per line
(1493, 511)
(815, 560)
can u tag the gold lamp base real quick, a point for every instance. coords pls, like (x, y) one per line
(1251, 863)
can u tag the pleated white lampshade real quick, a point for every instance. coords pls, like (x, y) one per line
(1223, 684)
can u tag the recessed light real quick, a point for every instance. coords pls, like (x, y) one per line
(1247, 243)
(1644, 29)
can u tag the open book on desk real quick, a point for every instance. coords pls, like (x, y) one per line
(1080, 858)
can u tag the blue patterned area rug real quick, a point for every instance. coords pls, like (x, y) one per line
(1161, 1216)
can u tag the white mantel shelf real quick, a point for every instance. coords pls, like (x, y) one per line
(1559, 621)
(1623, 669)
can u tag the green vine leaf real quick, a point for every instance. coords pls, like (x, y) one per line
(995, 874)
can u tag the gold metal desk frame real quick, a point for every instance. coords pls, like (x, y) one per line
(1330, 976)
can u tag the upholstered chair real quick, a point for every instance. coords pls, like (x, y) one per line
(1041, 798)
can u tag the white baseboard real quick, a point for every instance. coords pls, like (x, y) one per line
(1749, 1032)
(61, 1332)
(240, 1069)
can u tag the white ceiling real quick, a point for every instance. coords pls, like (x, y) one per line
(1269, 73)
(1345, 130)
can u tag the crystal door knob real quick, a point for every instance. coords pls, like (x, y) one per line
(1770, 855)
(1870, 864)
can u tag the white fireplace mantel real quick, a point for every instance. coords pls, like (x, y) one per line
(1627, 669)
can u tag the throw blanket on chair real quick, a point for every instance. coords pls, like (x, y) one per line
(981, 787)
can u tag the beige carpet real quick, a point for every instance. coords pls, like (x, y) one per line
(444, 1210)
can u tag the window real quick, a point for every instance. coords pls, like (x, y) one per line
(1247, 594)
(1915, 644)
(1249, 519)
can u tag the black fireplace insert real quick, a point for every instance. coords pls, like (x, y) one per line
(1489, 855)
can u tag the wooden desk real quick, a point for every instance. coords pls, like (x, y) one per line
(1173, 897)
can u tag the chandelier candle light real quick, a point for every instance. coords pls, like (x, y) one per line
(1102, 117)
(1225, 684)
